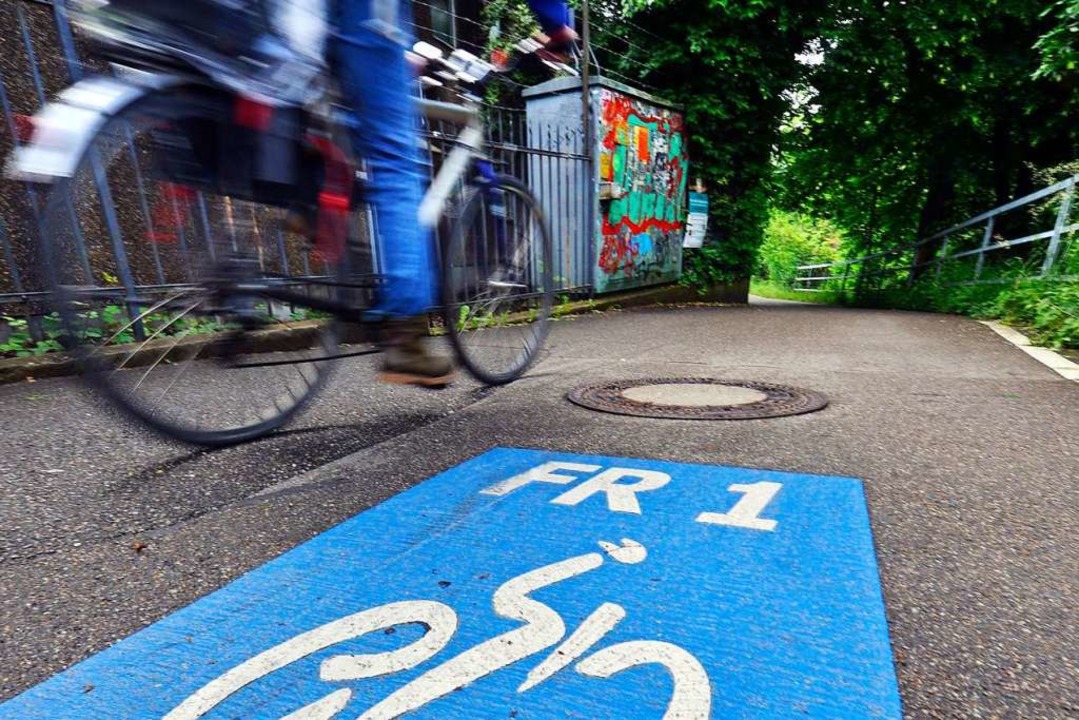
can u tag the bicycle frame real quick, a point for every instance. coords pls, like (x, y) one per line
(468, 147)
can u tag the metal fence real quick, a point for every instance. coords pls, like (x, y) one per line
(548, 154)
(40, 55)
(975, 251)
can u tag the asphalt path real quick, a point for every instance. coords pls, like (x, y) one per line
(968, 447)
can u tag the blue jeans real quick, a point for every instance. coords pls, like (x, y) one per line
(369, 56)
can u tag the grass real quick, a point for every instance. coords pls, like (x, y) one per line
(775, 291)
(1047, 311)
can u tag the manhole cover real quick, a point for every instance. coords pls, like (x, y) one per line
(697, 399)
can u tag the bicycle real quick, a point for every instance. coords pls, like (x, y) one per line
(247, 330)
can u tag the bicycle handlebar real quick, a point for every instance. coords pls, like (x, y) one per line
(462, 67)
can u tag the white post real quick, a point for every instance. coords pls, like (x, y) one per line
(943, 254)
(1062, 220)
(985, 244)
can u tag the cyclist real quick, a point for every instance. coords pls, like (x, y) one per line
(377, 83)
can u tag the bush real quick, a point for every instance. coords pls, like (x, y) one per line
(793, 239)
(1049, 311)
(768, 289)
(702, 268)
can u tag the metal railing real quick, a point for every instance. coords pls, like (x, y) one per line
(941, 256)
(39, 56)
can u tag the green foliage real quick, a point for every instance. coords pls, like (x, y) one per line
(108, 325)
(1044, 214)
(1012, 291)
(729, 65)
(776, 291)
(1060, 46)
(562, 307)
(920, 115)
(705, 267)
(301, 314)
(20, 342)
(1049, 311)
(510, 20)
(793, 239)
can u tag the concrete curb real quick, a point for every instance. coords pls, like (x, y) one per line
(1054, 361)
(13, 370)
(736, 294)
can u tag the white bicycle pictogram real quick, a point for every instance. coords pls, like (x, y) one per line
(542, 628)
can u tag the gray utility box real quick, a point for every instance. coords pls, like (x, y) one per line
(617, 209)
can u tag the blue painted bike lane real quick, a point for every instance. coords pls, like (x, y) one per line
(532, 584)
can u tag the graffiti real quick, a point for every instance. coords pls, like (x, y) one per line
(620, 251)
(644, 257)
(642, 157)
(661, 247)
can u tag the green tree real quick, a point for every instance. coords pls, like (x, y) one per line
(792, 239)
(893, 119)
(923, 114)
(1060, 46)
(729, 64)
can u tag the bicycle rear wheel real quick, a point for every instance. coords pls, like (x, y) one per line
(157, 282)
(497, 281)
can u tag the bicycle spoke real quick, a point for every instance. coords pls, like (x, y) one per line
(159, 360)
(498, 299)
(473, 312)
(160, 330)
(303, 377)
(143, 316)
(179, 373)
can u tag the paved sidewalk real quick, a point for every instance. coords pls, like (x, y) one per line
(969, 449)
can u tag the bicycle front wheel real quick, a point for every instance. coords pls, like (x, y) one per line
(497, 281)
(156, 279)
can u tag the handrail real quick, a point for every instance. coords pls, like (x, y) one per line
(1026, 200)
(811, 273)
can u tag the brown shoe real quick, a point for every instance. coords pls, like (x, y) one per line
(406, 360)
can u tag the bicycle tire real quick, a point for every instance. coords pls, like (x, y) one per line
(210, 414)
(479, 268)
